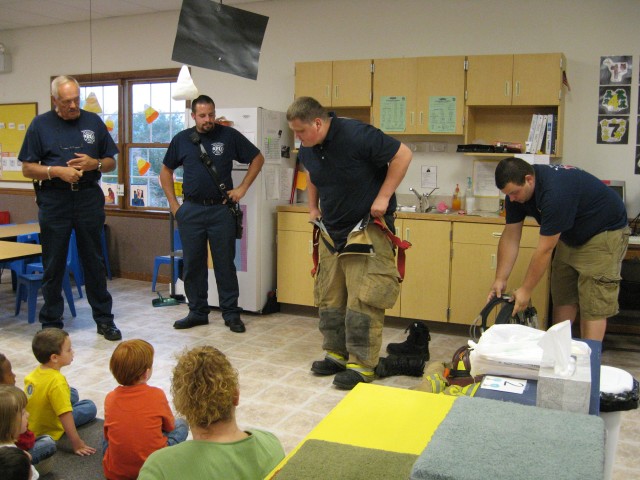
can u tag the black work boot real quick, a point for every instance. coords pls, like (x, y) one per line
(417, 344)
(406, 365)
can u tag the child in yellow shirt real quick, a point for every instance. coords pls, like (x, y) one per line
(54, 407)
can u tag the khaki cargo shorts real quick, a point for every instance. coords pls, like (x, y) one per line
(589, 275)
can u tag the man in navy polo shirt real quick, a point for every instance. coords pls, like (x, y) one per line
(66, 150)
(584, 221)
(354, 170)
(203, 217)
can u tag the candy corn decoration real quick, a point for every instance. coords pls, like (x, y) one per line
(109, 124)
(150, 114)
(143, 166)
(91, 104)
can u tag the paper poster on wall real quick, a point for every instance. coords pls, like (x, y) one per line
(442, 114)
(109, 190)
(484, 182)
(429, 176)
(616, 70)
(613, 130)
(14, 121)
(393, 112)
(139, 195)
(615, 100)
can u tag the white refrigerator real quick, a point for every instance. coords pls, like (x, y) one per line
(256, 251)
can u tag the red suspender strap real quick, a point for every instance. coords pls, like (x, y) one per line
(316, 239)
(401, 244)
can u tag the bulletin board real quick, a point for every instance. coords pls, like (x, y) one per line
(14, 121)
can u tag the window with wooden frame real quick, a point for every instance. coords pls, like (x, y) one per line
(142, 118)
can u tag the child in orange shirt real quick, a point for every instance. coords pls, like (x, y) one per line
(137, 417)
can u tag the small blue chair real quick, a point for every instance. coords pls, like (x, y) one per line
(37, 267)
(178, 262)
(27, 290)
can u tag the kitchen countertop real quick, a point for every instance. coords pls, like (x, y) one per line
(481, 217)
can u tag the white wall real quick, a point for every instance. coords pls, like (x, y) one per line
(303, 30)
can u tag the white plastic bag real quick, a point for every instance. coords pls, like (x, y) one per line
(512, 350)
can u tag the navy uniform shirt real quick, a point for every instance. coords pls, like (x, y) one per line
(571, 202)
(52, 141)
(348, 169)
(223, 145)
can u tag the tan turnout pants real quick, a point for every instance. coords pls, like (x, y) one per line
(352, 292)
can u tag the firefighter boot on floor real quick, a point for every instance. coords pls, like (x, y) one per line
(417, 344)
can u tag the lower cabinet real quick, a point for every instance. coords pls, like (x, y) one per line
(449, 267)
(424, 292)
(473, 269)
(295, 261)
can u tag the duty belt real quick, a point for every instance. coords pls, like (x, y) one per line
(74, 187)
(204, 201)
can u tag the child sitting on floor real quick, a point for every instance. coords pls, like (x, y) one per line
(54, 407)
(13, 418)
(15, 464)
(137, 417)
(41, 448)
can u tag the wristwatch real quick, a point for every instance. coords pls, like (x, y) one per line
(100, 165)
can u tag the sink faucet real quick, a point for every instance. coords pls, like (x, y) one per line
(423, 207)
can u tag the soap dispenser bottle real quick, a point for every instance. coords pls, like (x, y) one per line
(456, 203)
(469, 199)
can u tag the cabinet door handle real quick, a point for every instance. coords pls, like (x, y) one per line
(517, 88)
(411, 116)
(327, 91)
(496, 234)
(493, 261)
(336, 91)
(310, 247)
(507, 88)
(407, 234)
(421, 118)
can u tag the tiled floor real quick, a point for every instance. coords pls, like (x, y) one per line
(273, 357)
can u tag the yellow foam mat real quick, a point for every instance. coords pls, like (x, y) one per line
(383, 418)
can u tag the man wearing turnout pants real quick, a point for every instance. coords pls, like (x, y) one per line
(354, 170)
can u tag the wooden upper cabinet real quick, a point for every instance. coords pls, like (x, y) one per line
(537, 78)
(427, 86)
(314, 79)
(395, 77)
(440, 87)
(489, 79)
(341, 83)
(526, 79)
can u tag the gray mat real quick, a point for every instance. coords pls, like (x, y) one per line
(66, 465)
(484, 439)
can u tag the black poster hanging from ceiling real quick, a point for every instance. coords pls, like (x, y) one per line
(218, 37)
